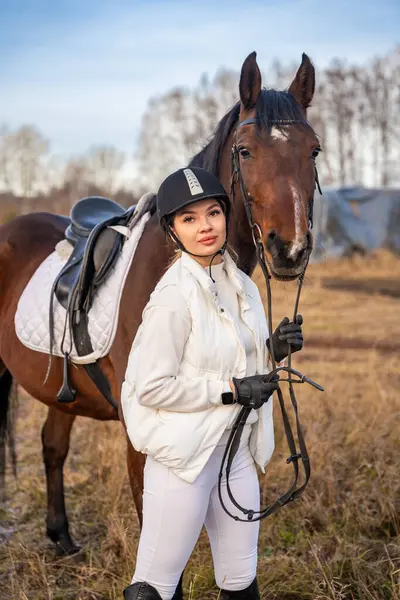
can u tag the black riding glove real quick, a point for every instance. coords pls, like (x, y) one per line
(253, 391)
(287, 334)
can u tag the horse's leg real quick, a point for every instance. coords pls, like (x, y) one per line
(55, 440)
(136, 461)
(6, 426)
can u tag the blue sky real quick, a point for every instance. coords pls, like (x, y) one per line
(83, 71)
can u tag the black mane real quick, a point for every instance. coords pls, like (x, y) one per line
(272, 107)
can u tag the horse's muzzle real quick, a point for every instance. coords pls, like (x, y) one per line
(287, 260)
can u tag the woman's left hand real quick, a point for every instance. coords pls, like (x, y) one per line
(287, 335)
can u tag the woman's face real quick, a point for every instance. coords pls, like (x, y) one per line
(201, 228)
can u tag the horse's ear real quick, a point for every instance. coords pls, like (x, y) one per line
(303, 85)
(250, 82)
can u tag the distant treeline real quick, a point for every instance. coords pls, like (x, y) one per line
(56, 200)
(355, 112)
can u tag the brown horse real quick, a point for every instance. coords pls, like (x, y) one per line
(276, 148)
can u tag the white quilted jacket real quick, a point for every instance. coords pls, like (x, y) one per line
(173, 411)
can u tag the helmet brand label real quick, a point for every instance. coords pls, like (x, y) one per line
(193, 182)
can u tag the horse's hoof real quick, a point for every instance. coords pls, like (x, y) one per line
(66, 548)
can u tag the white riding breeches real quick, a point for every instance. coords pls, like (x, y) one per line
(175, 511)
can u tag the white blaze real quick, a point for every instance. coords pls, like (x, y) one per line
(277, 133)
(298, 242)
(282, 133)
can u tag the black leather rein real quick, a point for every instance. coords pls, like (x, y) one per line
(299, 453)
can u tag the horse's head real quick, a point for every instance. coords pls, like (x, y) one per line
(274, 149)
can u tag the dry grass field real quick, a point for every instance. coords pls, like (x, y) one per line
(340, 541)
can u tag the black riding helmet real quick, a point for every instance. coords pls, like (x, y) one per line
(184, 187)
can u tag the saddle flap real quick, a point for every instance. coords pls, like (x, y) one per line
(70, 274)
(107, 247)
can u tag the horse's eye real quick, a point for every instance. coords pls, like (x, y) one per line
(244, 153)
(315, 152)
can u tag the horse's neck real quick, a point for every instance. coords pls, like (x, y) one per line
(148, 266)
(239, 231)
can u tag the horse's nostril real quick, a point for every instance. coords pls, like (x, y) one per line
(271, 240)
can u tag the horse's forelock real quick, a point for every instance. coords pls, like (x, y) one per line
(273, 109)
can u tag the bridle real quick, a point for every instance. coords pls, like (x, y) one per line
(236, 173)
(296, 454)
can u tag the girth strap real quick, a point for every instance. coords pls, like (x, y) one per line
(83, 347)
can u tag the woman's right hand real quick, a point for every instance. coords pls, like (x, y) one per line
(255, 390)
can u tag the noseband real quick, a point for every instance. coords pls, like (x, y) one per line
(296, 454)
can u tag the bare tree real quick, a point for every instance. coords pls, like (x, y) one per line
(28, 150)
(167, 135)
(317, 116)
(381, 89)
(177, 124)
(5, 158)
(340, 116)
(77, 179)
(104, 164)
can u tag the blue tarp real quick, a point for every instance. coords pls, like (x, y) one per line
(355, 219)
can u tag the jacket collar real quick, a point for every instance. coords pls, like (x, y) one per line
(202, 276)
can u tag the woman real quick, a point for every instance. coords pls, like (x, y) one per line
(200, 350)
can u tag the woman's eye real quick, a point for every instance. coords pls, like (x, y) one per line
(244, 153)
(315, 152)
(213, 213)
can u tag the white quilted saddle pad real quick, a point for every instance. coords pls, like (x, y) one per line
(32, 316)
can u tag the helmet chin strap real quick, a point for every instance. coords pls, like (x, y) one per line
(221, 251)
